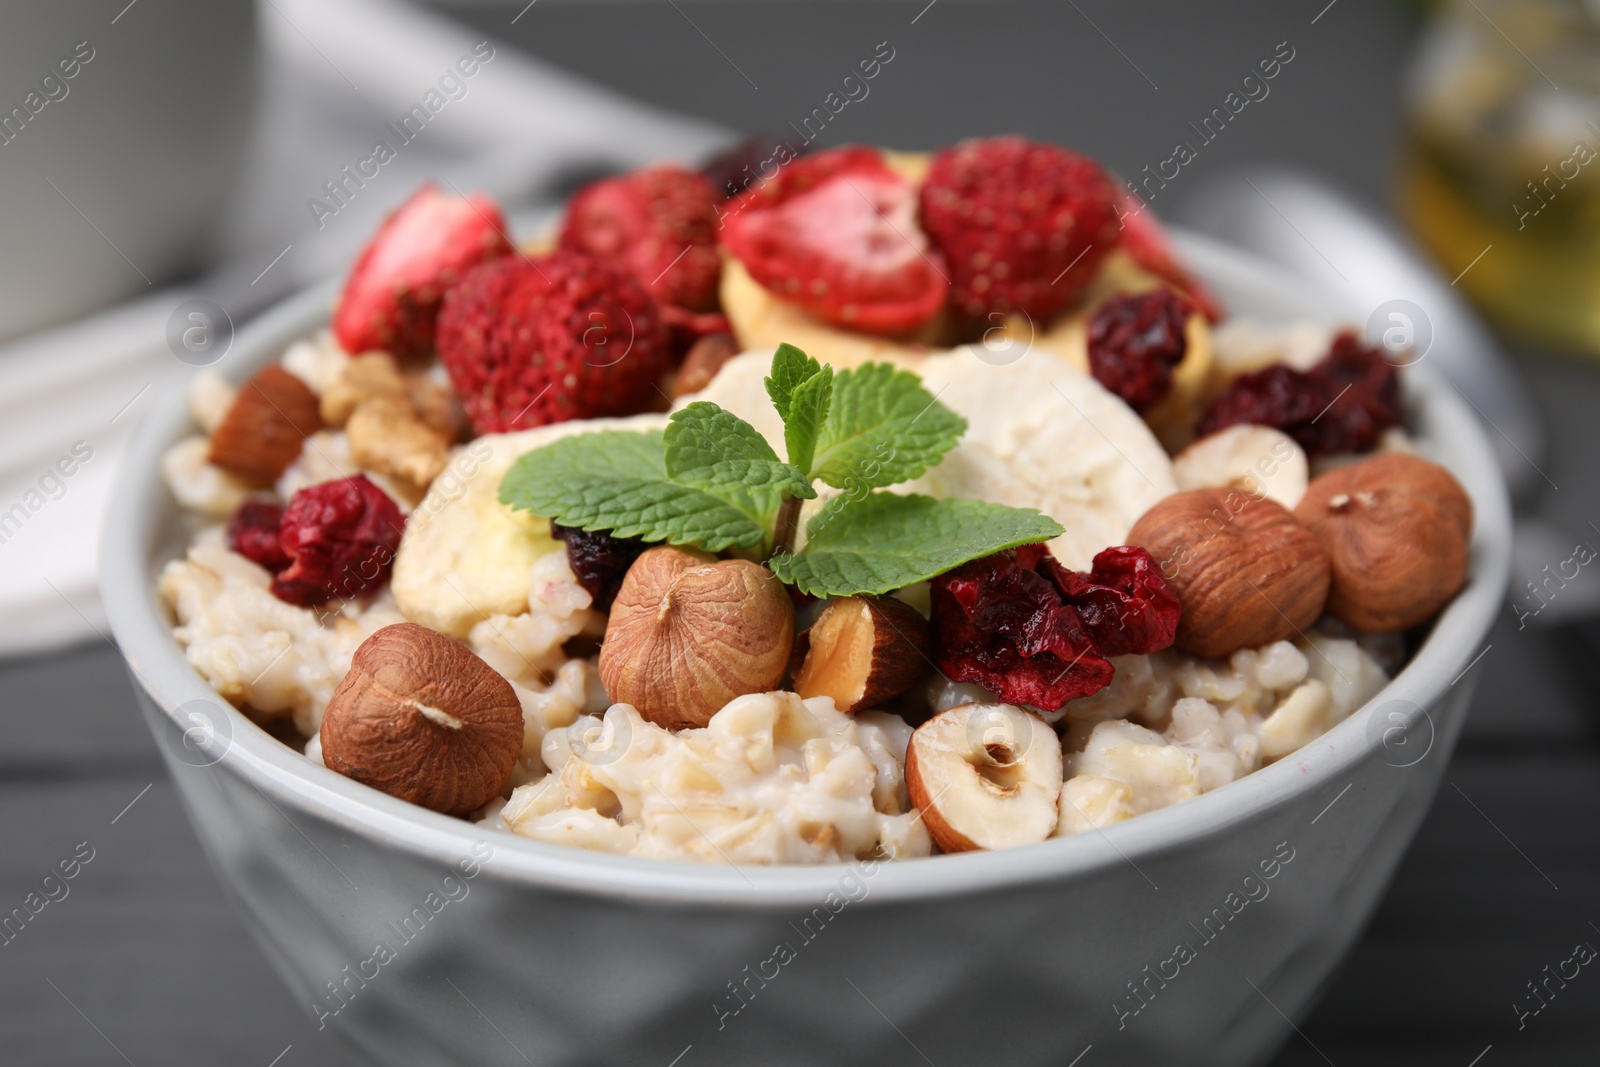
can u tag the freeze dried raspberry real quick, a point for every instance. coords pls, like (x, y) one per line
(836, 234)
(1033, 632)
(1024, 226)
(341, 538)
(598, 560)
(1000, 623)
(753, 159)
(1124, 602)
(1343, 404)
(253, 533)
(528, 342)
(1135, 341)
(658, 224)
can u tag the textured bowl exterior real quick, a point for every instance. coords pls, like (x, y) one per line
(499, 950)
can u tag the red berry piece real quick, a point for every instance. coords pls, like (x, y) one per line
(562, 336)
(340, 538)
(1135, 341)
(1023, 226)
(1001, 623)
(391, 299)
(1124, 602)
(1150, 247)
(598, 560)
(1343, 404)
(836, 233)
(659, 225)
(753, 159)
(253, 533)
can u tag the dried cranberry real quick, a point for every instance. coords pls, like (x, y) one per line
(341, 539)
(1124, 602)
(733, 170)
(1000, 623)
(253, 533)
(1343, 404)
(1364, 390)
(1134, 342)
(598, 560)
(1033, 632)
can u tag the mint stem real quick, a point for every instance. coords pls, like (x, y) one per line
(788, 523)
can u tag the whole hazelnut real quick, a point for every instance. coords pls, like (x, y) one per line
(422, 718)
(688, 633)
(1397, 529)
(1246, 572)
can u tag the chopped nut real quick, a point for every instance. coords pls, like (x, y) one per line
(387, 438)
(863, 651)
(369, 376)
(435, 403)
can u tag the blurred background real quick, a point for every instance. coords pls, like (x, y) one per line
(1440, 163)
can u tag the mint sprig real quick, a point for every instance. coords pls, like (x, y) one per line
(711, 480)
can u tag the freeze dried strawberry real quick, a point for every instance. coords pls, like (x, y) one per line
(391, 299)
(1124, 602)
(598, 560)
(756, 158)
(253, 533)
(1151, 248)
(340, 538)
(1135, 341)
(836, 233)
(528, 342)
(659, 225)
(1023, 226)
(1001, 623)
(1343, 404)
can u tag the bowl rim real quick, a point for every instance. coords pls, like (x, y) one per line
(141, 507)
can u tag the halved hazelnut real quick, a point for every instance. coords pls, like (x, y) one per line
(863, 651)
(689, 632)
(1398, 530)
(1245, 570)
(985, 776)
(706, 357)
(262, 433)
(421, 717)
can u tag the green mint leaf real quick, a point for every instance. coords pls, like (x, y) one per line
(808, 409)
(882, 427)
(713, 449)
(884, 541)
(617, 481)
(790, 367)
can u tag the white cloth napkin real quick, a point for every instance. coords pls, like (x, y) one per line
(334, 76)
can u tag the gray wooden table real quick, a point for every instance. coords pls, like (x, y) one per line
(142, 961)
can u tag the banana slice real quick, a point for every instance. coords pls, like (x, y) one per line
(465, 556)
(1257, 459)
(1040, 435)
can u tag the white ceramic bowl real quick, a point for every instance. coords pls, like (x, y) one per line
(557, 956)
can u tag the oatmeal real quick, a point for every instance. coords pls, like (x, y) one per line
(905, 591)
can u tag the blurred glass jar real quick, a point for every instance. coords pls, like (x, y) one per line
(1503, 155)
(112, 176)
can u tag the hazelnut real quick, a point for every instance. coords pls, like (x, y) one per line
(863, 651)
(1397, 529)
(985, 776)
(422, 718)
(266, 426)
(706, 357)
(688, 633)
(1246, 572)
